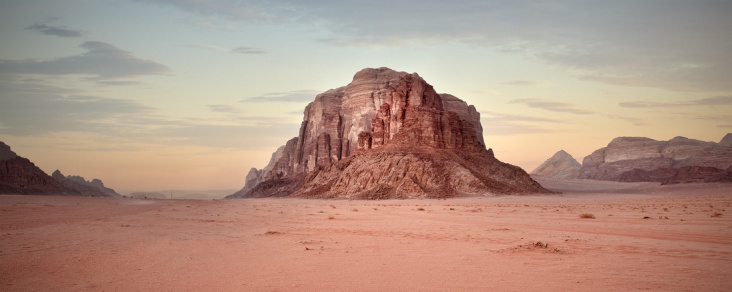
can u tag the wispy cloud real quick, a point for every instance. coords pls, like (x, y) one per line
(677, 45)
(223, 108)
(527, 83)
(632, 120)
(711, 101)
(59, 31)
(500, 124)
(102, 60)
(248, 50)
(553, 106)
(238, 50)
(291, 96)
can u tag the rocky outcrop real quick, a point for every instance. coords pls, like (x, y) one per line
(353, 138)
(93, 188)
(638, 158)
(686, 174)
(727, 140)
(20, 176)
(560, 165)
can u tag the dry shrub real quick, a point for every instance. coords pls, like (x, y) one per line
(587, 216)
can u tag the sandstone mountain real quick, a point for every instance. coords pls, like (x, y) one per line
(20, 176)
(643, 159)
(560, 165)
(93, 188)
(387, 134)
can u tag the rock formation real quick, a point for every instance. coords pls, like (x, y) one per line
(93, 188)
(727, 140)
(560, 165)
(387, 134)
(20, 176)
(642, 159)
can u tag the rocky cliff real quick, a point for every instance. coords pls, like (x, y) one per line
(20, 176)
(387, 134)
(93, 188)
(560, 165)
(643, 159)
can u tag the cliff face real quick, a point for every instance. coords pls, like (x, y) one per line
(560, 165)
(20, 176)
(642, 159)
(357, 132)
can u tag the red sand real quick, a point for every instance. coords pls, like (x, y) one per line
(474, 244)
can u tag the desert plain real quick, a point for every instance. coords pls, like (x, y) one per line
(643, 236)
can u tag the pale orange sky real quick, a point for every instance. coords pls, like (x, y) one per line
(152, 95)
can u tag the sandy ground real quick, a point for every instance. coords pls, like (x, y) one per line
(471, 244)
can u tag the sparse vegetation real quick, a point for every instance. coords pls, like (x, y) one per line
(587, 216)
(716, 214)
(331, 217)
(420, 209)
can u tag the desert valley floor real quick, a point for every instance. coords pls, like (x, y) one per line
(465, 244)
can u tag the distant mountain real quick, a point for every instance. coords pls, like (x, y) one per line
(148, 195)
(20, 176)
(727, 140)
(93, 188)
(643, 159)
(560, 165)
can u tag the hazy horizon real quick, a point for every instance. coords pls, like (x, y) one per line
(151, 95)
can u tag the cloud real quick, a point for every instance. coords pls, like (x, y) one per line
(247, 50)
(674, 45)
(59, 31)
(499, 124)
(552, 106)
(291, 96)
(238, 50)
(711, 101)
(223, 108)
(34, 114)
(527, 83)
(102, 60)
(634, 121)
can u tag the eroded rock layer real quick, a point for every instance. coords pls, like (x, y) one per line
(643, 159)
(387, 134)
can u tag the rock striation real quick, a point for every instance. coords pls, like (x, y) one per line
(93, 188)
(20, 176)
(387, 134)
(643, 159)
(561, 165)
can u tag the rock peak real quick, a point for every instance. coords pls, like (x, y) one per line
(5, 152)
(727, 140)
(560, 165)
(384, 117)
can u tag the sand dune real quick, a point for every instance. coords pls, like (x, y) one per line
(472, 244)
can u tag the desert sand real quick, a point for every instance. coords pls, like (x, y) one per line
(463, 244)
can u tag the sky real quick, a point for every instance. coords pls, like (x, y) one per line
(161, 94)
